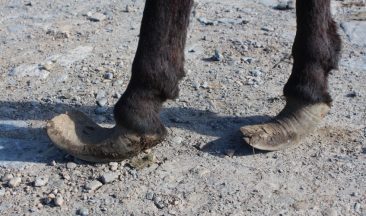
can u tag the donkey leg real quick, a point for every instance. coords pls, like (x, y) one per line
(316, 52)
(156, 71)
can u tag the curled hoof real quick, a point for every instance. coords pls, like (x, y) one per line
(79, 136)
(293, 123)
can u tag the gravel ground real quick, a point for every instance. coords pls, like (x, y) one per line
(62, 55)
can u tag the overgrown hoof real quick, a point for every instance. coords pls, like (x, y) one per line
(79, 136)
(293, 123)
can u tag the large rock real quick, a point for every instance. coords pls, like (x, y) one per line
(74, 55)
(355, 31)
(29, 70)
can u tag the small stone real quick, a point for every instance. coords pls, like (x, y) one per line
(109, 177)
(93, 185)
(150, 195)
(285, 5)
(47, 66)
(117, 95)
(127, 9)
(83, 211)
(330, 212)
(2, 192)
(177, 140)
(205, 85)
(266, 29)
(40, 181)
(196, 85)
(51, 196)
(113, 166)
(357, 207)
(66, 176)
(217, 56)
(14, 182)
(247, 60)
(354, 194)
(96, 17)
(102, 102)
(59, 200)
(255, 73)
(158, 202)
(352, 94)
(71, 165)
(53, 163)
(7, 177)
(108, 76)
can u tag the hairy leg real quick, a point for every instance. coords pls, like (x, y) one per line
(156, 71)
(316, 52)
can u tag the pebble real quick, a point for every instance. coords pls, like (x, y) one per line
(100, 94)
(2, 192)
(71, 165)
(285, 5)
(158, 202)
(96, 17)
(108, 177)
(7, 177)
(113, 166)
(217, 56)
(177, 140)
(247, 60)
(196, 85)
(150, 195)
(59, 200)
(357, 207)
(255, 73)
(266, 29)
(330, 212)
(205, 21)
(47, 66)
(83, 211)
(14, 182)
(40, 181)
(102, 102)
(205, 85)
(93, 185)
(108, 76)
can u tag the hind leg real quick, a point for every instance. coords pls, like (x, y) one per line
(316, 51)
(156, 71)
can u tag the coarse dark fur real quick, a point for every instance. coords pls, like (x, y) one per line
(316, 52)
(159, 62)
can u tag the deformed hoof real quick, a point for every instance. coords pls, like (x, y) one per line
(293, 123)
(79, 136)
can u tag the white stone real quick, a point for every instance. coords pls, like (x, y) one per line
(29, 70)
(93, 185)
(109, 177)
(355, 31)
(14, 182)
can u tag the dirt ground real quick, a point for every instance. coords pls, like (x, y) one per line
(61, 55)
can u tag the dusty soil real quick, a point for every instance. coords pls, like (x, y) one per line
(62, 55)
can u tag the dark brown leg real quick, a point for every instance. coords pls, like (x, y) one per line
(316, 52)
(157, 67)
(156, 71)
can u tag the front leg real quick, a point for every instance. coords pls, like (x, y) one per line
(156, 71)
(316, 52)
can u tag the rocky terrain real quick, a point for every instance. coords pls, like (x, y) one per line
(61, 55)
